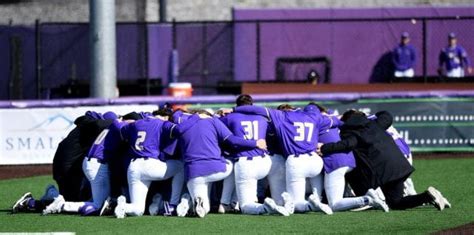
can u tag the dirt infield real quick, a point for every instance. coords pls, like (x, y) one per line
(9, 172)
(467, 229)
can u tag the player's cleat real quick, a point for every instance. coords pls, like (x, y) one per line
(184, 205)
(107, 207)
(272, 208)
(377, 202)
(22, 203)
(169, 209)
(120, 208)
(317, 204)
(50, 193)
(362, 208)
(199, 207)
(288, 202)
(156, 204)
(447, 204)
(224, 208)
(437, 198)
(56, 206)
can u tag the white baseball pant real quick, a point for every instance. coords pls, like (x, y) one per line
(277, 178)
(142, 172)
(199, 186)
(98, 176)
(407, 73)
(335, 184)
(247, 173)
(298, 168)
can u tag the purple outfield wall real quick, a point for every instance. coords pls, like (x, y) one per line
(358, 50)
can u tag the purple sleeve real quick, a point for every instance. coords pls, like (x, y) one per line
(237, 142)
(464, 57)
(223, 131)
(169, 129)
(124, 132)
(328, 122)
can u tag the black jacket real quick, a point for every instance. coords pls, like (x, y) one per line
(67, 161)
(379, 160)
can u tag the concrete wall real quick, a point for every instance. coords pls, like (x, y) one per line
(26, 11)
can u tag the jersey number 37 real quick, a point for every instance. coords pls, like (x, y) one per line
(304, 131)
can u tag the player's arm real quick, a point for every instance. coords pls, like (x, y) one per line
(328, 122)
(384, 119)
(347, 144)
(465, 60)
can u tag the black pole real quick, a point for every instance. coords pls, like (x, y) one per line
(173, 29)
(258, 49)
(39, 87)
(425, 75)
(163, 11)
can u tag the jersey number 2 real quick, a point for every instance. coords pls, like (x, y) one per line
(141, 135)
(250, 129)
(304, 129)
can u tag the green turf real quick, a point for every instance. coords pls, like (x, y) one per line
(451, 176)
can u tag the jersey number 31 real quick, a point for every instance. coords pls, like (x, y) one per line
(250, 129)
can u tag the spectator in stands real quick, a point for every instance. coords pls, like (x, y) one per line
(404, 57)
(454, 59)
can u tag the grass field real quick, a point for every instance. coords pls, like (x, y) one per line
(453, 177)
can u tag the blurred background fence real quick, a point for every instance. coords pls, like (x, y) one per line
(51, 60)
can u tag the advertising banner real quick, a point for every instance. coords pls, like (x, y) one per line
(31, 136)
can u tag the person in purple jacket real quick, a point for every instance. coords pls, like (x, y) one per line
(336, 165)
(95, 167)
(454, 59)
(199, 138)
(297, 133)
(404, 57)
(251, 164)
(148, 164)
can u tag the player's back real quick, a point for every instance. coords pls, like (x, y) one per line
(298, 132)
(250, 127)
(143, 137)
(201, 141)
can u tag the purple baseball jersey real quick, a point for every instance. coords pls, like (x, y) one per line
(199, 141)
(403, 57)
(297, 131)
(335, 160)
(143, 137)
(113, 140)
(453, 57)
(250, 127)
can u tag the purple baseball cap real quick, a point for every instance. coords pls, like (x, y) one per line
(451, 35)
(311, 108)
(405, 35)
(110, 115)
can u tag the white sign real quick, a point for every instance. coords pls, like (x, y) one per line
(31, 136)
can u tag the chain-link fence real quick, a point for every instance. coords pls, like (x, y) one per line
(51, 60)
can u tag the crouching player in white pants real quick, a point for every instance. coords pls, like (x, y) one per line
(96, 170)
(199, 140)
(336, 166)
(297, 132)
(147, 164)
(252, 164)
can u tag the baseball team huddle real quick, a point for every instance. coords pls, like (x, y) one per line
(248, 159)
